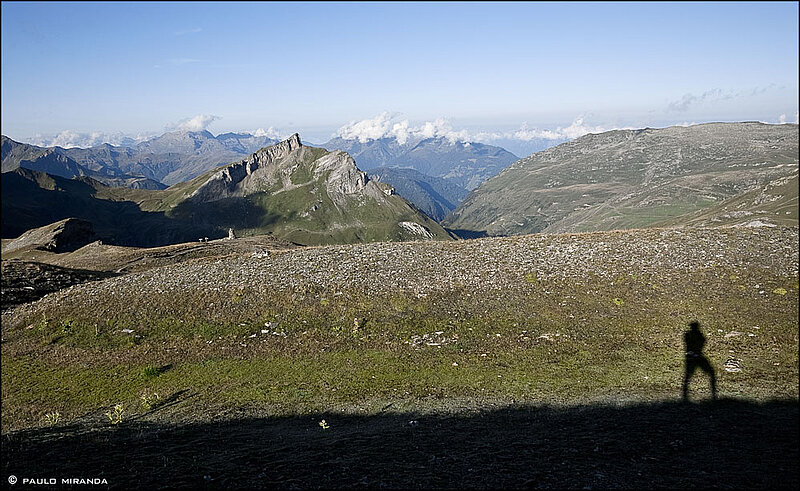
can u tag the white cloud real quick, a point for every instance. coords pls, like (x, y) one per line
(577, 129)
(689, 99)
(783, 119)
(197, 123)
(269, 133)
(71, 139)
(384, 126)
(401, 131)
(369, 129)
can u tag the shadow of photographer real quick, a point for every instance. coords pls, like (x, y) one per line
(694, 341)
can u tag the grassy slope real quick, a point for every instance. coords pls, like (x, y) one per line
(775, 203)
(531, 327)
(629, 179)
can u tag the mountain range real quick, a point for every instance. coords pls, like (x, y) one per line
(464, 164)
(729, 174)
(167, 159)
(714, 173)
(172, 157)
(179, 156)
(303, 194)
(53, 161)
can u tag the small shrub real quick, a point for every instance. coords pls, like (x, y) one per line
(150, 372)
(149, 400)
(618, 302)
(53, 418)
(115, 415)
(66, 327)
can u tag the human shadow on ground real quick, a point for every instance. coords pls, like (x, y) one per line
(694, 341)
(727, 443)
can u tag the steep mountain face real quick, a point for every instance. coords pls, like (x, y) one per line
(435, 196)
(172, 157)
(303, 194)
(464, 164)
(52, 161)
(630, 179)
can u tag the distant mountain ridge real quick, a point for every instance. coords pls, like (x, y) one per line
(53, 161)
(637, 178)
(172, 157)
(464, 164)
(179, 156)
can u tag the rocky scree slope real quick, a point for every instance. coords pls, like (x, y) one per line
(484, 276)
(631, 178)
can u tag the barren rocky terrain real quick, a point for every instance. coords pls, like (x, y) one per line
(411, 349)
(488, 266)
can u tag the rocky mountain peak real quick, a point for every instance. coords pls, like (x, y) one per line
(268, 167)
(278, 151)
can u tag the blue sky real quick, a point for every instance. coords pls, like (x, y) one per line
(477, 68)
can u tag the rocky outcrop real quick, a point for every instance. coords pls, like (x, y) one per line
(342, 178)
(304, 194)
(258, 172)
(63, 236)
(285, 166)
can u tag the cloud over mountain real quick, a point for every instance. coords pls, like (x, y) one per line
(270, 132)
(576, 129)
(388, 125)
(199, 122)
(73, 139)
(715, 95)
